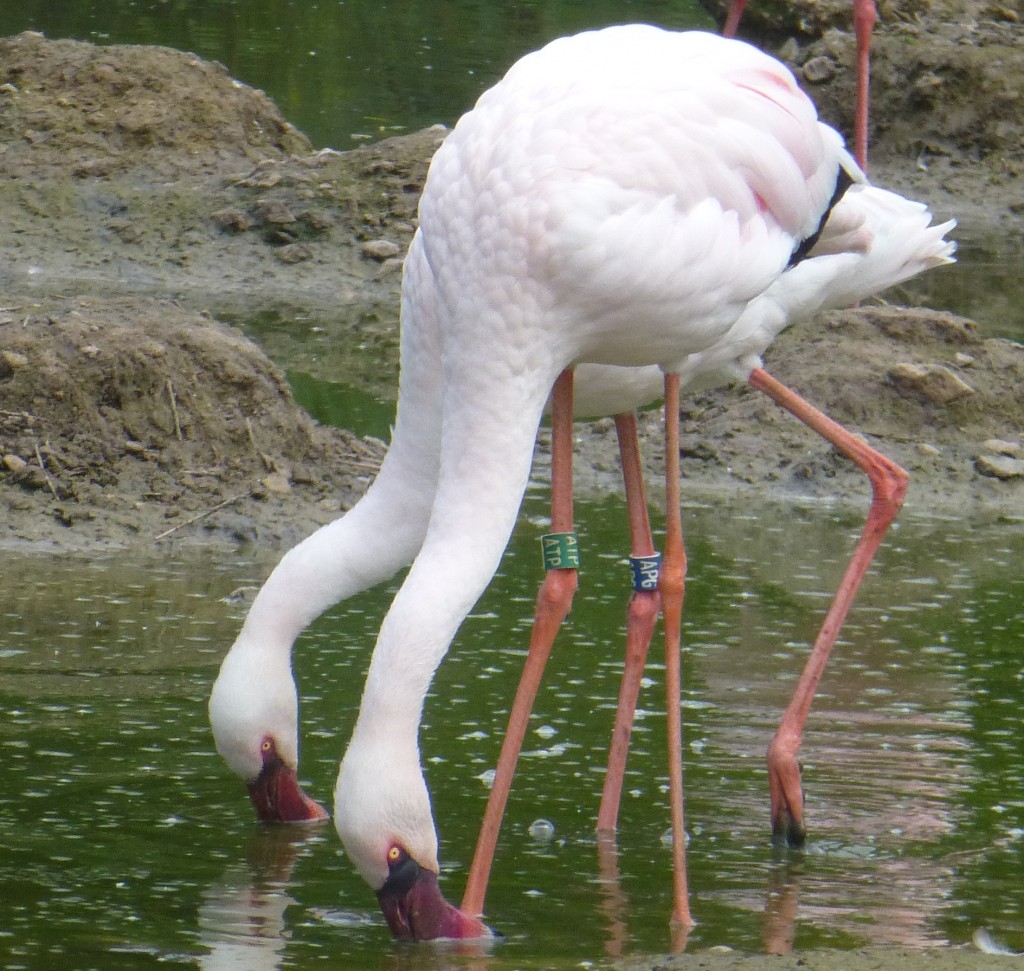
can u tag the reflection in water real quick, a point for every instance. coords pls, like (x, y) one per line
(242, 917)
(780, 910)
(614, 904)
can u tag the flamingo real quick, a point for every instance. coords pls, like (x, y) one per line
(865, 14)
(647, 209)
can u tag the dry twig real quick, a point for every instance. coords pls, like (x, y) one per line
(202, 515)
(174, 411)
(42, 468)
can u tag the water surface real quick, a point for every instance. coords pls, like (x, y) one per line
(127, 841)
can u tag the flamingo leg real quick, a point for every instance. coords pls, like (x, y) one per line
(864, 16)
(553, 602)
(641, 616)
(732, 18)
(888, 487)
(671, 585)
(865, 13)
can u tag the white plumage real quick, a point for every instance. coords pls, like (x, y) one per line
(629, 196)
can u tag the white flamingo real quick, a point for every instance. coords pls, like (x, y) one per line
(653, 207)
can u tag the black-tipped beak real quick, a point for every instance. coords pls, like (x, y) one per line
(277, 795)
(416, 910)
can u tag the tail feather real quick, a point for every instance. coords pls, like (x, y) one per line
(894, 237)
(873, 240)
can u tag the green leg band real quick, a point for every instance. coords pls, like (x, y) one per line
(561, 551)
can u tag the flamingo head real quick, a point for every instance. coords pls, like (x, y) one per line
(254, 716)
(382, 813)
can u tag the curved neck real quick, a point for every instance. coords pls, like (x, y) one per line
(362, 548)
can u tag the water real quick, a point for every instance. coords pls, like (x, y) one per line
(126, 841)
(345, 71)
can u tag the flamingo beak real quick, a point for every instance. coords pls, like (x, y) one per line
(277, 795)
(415, 909)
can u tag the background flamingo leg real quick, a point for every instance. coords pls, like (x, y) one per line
(888, 487)
(732, 18)
(671, 586)
(864, 16)
(641, 616)
(553, 602)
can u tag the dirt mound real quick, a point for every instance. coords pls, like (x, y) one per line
(122, 415)
(955, 96)
(74, 108)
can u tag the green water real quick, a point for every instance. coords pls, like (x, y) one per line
(348, 70)
(125, 840)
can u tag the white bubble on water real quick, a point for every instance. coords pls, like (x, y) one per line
(542, 830)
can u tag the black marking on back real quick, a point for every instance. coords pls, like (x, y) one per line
(843, 182)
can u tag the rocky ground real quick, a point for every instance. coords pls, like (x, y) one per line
(145, 193)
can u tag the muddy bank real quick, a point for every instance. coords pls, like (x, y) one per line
(145, 192)
(124, 419)
(922, 386)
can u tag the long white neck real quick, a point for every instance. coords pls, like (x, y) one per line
(381, 796)
(486, 454)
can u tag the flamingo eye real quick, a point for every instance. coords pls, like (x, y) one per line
(267, 745)
(395, 854)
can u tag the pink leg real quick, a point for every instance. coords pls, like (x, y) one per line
(864, 16)
(671, 585)
(553, 603)
(888, 487)
(732, 18)
(641, 617)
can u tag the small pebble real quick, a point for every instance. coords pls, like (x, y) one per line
(380, 249)
(274, 212)
(1002, 447)
(14, 360)
(293, 253)
(819, 69)
(933, 382)
(999, 466)
(276, 482)
(15, 463)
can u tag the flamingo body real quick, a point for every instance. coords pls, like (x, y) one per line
(628, 200)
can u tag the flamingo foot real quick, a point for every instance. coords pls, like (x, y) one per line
(787, 796)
